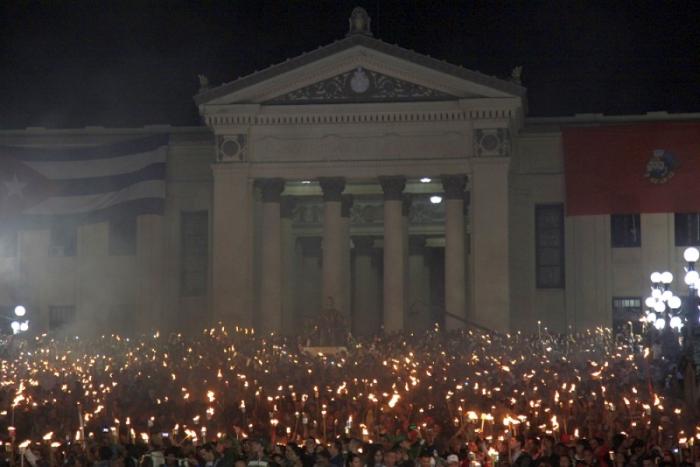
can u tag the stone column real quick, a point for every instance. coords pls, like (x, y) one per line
(308, 298)
(289, 266)
(366, 315)
(405, 215)
(490, 290)
(394, 266)
(332, 245)
(232, 238)
(455, 296)
(271, 257)
(346, 203)
(419, 311)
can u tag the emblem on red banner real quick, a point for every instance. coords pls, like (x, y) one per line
(660, 167)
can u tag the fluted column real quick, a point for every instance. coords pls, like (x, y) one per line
(366, 314)
(308, 299)
(332, 245)
(271, 256)
(346, 203)
(394, 264)
(289, 266)
(407, 200)
(420, 313)
(455, 296)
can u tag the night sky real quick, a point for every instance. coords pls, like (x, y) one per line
(117, 63)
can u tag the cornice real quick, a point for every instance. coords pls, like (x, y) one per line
(243, 119)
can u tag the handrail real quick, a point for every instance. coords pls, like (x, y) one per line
(444, 312)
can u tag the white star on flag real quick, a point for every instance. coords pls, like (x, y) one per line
(15, 187)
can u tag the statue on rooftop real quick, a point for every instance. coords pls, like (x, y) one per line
(359, 22)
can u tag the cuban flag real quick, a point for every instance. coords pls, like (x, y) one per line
(39, 186)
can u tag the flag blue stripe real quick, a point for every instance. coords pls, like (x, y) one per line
(90, 186)
(119, 149)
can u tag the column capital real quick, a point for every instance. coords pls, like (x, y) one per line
(364, 245)
(346, 202)
(393, 187)
(271, 189)
(407, 201)
(416, 244)
(454, 186)
(287, 205)
(332, 188)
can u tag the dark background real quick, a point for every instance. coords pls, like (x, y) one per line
(131, 63)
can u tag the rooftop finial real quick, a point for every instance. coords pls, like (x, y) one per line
(359, 22)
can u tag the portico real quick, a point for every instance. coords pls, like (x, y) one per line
(357, 136)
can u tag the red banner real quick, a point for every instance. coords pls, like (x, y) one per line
(633, 168)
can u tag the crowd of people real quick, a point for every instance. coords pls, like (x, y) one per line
(232, 398)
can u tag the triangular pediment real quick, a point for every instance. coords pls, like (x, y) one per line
(359, 69)
(360, 85)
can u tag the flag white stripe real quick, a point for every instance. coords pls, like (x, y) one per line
(80, 204)
(71, 170)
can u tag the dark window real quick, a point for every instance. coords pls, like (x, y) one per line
(63, 240)
(549, 245)
(625, 230)
(122, 236)
(61, 316)
(687, 226)
(194, 227)
(8, 243)
(626, 310)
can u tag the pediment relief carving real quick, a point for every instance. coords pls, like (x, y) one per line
(360, 85)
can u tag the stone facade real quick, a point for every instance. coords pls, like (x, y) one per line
(317, 179)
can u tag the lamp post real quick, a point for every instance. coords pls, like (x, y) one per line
(692, 332)
(692, 279)
(668, 313)
(662, 303)
(16, 325)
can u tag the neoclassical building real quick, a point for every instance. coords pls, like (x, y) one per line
(395, 188)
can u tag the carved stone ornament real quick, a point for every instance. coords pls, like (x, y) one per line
(360, 85)
(492, 142)
(231, 148)
(454, 186)
(271, 189)
(393, 187)
(368, 212)
(359, 22)
(332, 188)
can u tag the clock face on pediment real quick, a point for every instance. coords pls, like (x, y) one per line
(360, 85)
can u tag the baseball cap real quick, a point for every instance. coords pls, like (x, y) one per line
(452, 458)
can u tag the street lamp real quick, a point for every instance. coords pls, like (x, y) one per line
(663, 304)
(692, 279)
(667, 309)
(17, 324)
